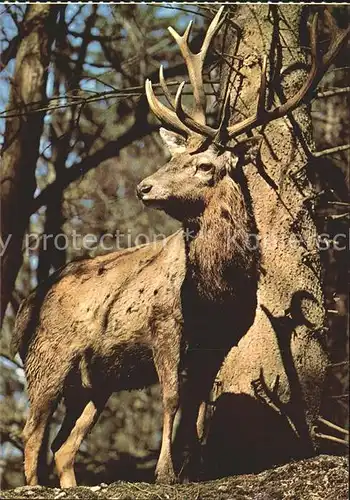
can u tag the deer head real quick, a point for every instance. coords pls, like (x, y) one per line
(184, 186)
(201, 157)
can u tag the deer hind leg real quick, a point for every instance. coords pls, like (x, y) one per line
(33, 437)
(79, 420)
(168, 377)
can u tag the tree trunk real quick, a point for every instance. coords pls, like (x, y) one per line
(22, 139)
(271, 383)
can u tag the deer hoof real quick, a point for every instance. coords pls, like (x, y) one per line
(166, 478)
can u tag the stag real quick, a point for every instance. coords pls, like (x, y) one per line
(131, 318)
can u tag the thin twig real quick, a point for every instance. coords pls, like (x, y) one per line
(328, 93)
(338, 216)
(110, 150)
(339, 69)
(331, 151)
(332, 425)
(336, 365)
(11, 438)
(11, 360)
(339, 203)
(78, 100)
(331, 438)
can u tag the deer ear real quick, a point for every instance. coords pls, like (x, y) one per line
(175, 142)
(248, 149)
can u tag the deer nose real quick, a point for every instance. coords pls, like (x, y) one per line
(143, 189)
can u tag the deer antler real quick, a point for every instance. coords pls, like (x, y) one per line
(318, 68)
(177, 118)
(195, 62)
(194, 124)
(167, 116)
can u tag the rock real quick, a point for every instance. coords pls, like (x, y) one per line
(318, 478)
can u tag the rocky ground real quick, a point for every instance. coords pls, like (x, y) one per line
(320, 478)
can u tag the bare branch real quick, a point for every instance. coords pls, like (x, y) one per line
(329, 93)
(10, 438)
(331, 425)
(341, 363)
(111, 150)
(98, 38)
(331, 151)
(11, 360)
(76, 100)
(338, 217)
(10, 52)
(331, 438)
(339, 203)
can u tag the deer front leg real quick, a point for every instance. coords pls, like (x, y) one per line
(202, 367)
(167, 369)
(187, 443)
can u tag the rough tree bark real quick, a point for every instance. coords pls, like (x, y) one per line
(270, 386)
(22, 139)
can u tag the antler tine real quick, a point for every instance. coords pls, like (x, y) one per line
(165, 87)
(177, 119)
(253, 121)
(167, 116)
(313, 39)
(338, 38)
(225, 117)
(199, 128)
(214, 27)
(195, 63)
(331, 22)
(319, 66)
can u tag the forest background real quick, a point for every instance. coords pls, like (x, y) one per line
(97, 140)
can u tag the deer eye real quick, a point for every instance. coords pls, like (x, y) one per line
(205, 167)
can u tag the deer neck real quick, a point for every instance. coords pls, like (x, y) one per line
(219, 259)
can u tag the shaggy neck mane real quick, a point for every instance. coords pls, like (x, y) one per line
(218, 255)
